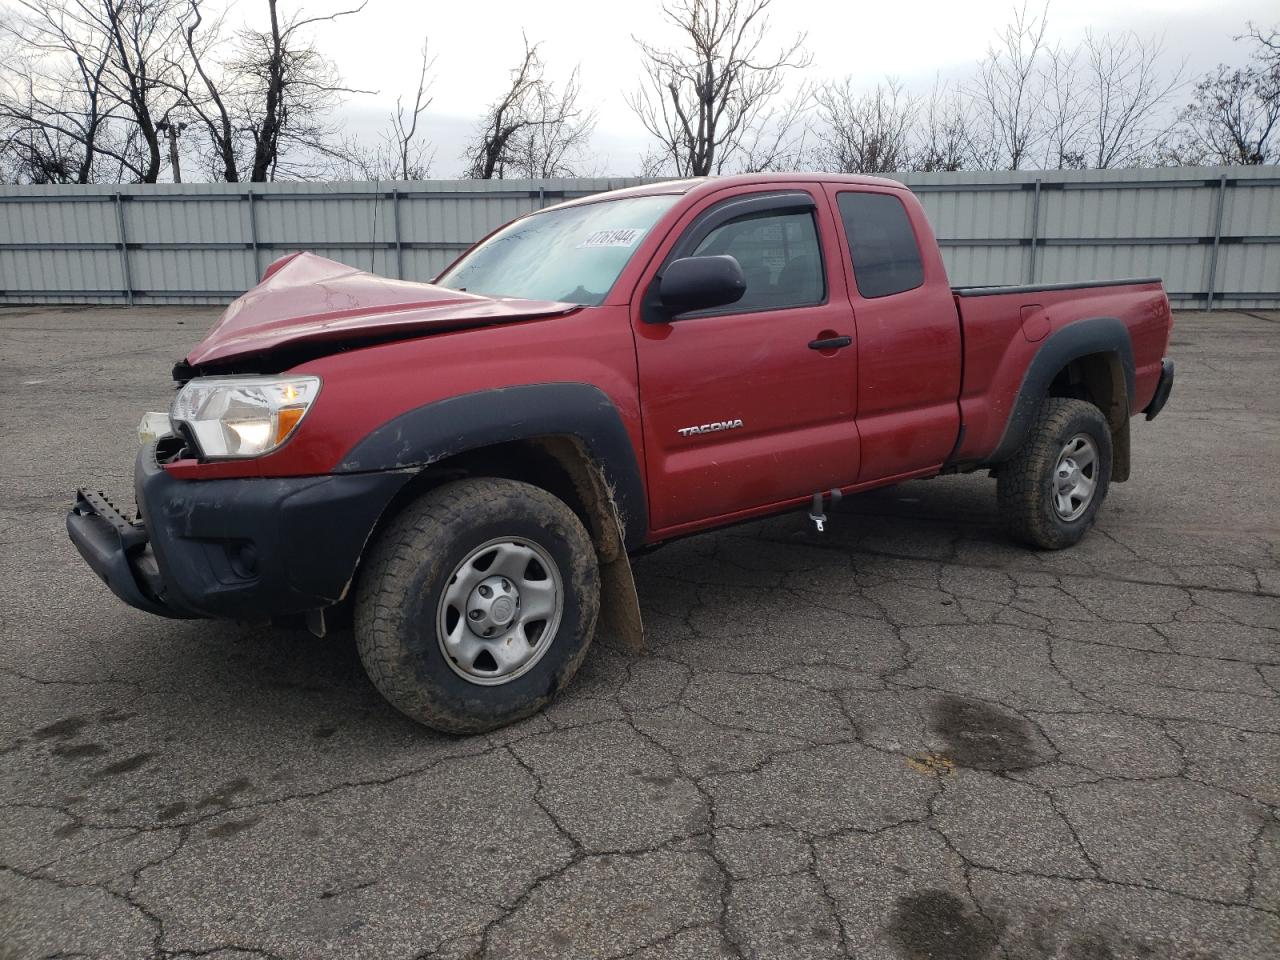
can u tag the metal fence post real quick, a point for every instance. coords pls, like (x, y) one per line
(395, 217)
(124, 250)
(1035, 232)
(253, 238)
(1217, 239)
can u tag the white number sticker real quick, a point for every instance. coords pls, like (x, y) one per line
(623, 237)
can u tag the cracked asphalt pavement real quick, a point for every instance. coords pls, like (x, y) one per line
(907, 738)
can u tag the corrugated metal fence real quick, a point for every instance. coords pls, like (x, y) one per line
(1212, 234)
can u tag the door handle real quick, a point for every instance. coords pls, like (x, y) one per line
(830, 343)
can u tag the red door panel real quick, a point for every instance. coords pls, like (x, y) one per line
(780, 416)
(909, 357)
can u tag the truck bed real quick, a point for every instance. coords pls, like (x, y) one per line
(1004, 329)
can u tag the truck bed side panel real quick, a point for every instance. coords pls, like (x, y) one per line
(1003, 331)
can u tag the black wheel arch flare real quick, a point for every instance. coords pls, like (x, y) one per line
(435, 431)
(1080, 338)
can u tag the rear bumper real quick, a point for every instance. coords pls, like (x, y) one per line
(1164, 386)
(244, 549)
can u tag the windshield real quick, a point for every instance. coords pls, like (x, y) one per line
(572, 255)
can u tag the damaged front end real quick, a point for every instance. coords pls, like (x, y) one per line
(245, 549)
(214, 536)
(307, 306)
(118, 550)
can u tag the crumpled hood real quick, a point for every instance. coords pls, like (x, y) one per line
(303, 297)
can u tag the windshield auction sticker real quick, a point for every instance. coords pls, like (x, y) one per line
(623, 237)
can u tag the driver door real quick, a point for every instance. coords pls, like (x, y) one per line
(750, 405)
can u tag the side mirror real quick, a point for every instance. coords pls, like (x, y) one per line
(699, 283)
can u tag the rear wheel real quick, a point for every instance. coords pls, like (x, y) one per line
(477, 604)
(1051, 489)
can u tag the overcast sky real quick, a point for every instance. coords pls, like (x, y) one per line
(477, 43)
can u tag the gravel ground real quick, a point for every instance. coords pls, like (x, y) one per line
(906, 738)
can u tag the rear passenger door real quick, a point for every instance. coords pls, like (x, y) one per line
(780, 413)
(908, 329)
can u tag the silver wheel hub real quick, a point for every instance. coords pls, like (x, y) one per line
(492, 604)
(1075, 477)
(500, 610)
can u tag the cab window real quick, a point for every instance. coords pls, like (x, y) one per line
(779, 255)
(886, 257)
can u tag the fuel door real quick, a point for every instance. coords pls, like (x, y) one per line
(1035, 322)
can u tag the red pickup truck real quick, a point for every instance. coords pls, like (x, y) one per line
(472, 461)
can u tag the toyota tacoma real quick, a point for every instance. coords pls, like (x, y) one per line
(467, 465)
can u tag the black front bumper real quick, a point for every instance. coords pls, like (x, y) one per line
(245, 549)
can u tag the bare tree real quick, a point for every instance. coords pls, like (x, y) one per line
(266, 109)
(51, 95)
(531, 130)
(505, 117)
(1066, 112)
(865, 133)
(943, 132)
(90, 86)
(293, 89)
(1235, 113)
(779, 139)
(402, 152)
(202, 93)
(1008, 92)
(51, 135)
(1269, 41)
(142, 34)
(9, 143)
(1127, 93)
(556, 144)
(413, 156)
(707, 100)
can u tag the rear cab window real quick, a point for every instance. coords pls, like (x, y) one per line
(886, 257)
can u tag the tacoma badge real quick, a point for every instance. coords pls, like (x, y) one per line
(710, 427)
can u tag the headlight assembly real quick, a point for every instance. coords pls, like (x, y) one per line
(242, 416)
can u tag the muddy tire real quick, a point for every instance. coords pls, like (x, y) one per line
(476, 604)
(1051, 489)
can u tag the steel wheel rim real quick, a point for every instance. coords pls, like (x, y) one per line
(499, 611)
(1075, 477)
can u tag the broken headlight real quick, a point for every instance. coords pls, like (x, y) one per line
(242, 416)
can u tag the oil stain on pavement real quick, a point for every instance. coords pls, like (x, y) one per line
(980, 737)
(937, 925)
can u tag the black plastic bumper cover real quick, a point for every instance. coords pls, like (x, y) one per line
(1163, 388)
(239, 549)
(113, 546)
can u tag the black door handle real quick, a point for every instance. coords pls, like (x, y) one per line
(830, 343)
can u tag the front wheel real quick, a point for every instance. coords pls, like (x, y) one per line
(477, 604)
(1051, 489)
